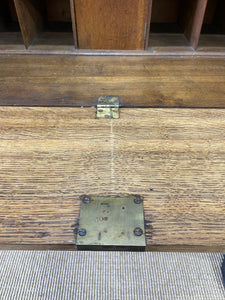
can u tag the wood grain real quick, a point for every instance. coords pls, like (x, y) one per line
(192, 17)
(139, 81)
(174, 158)
(111, 24)
(30, 15)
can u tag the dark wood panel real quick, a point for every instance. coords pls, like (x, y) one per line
(37, 17)
(139, 81)
(8, 17)
(179, 16)
(210, 11)
(74, 23)
(111, 24)
(10, 35)
(191, 18)
(30, 15)
(164, 11)
(58, 10)
(220, 16)
(214, 21)
(174, 158)
(13, 10)
(215, 15)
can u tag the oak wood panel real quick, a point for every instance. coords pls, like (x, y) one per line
(192, 16)
(139, 81)
(111, 24)
(174, 158)
(30, 15)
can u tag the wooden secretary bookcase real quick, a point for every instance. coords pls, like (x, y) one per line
(56, 58)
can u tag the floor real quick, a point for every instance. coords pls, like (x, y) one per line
(110, 275)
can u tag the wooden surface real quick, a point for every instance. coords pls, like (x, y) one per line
(74, 25)
(12, 40)
(162, 41)
(30, 18)
(111, 24)
(211, 42)
(210, 11)
(174, 158)
(192, 20)
(164, 11)
(13, 14)
(220, 16)
(139, 81)
(58, 10)
(47, 41)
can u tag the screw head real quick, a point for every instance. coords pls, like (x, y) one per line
(86, 200)
(137, 200)
(82, 232)
(138, 231)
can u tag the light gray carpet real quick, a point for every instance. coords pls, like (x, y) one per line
(110, 275)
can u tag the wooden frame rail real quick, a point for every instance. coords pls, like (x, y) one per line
(157, 81)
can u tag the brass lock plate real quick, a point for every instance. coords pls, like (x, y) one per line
(111, 223)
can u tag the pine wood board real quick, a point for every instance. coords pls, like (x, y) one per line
(174, 158)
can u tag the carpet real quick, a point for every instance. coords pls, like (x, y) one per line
(110, 275)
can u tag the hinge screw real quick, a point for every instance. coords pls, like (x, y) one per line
(86, 200)
(82, 232)
(137, 200)
(138, 231)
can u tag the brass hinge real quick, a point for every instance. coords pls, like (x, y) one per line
(108, 107)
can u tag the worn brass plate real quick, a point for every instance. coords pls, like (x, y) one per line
(111, 223)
